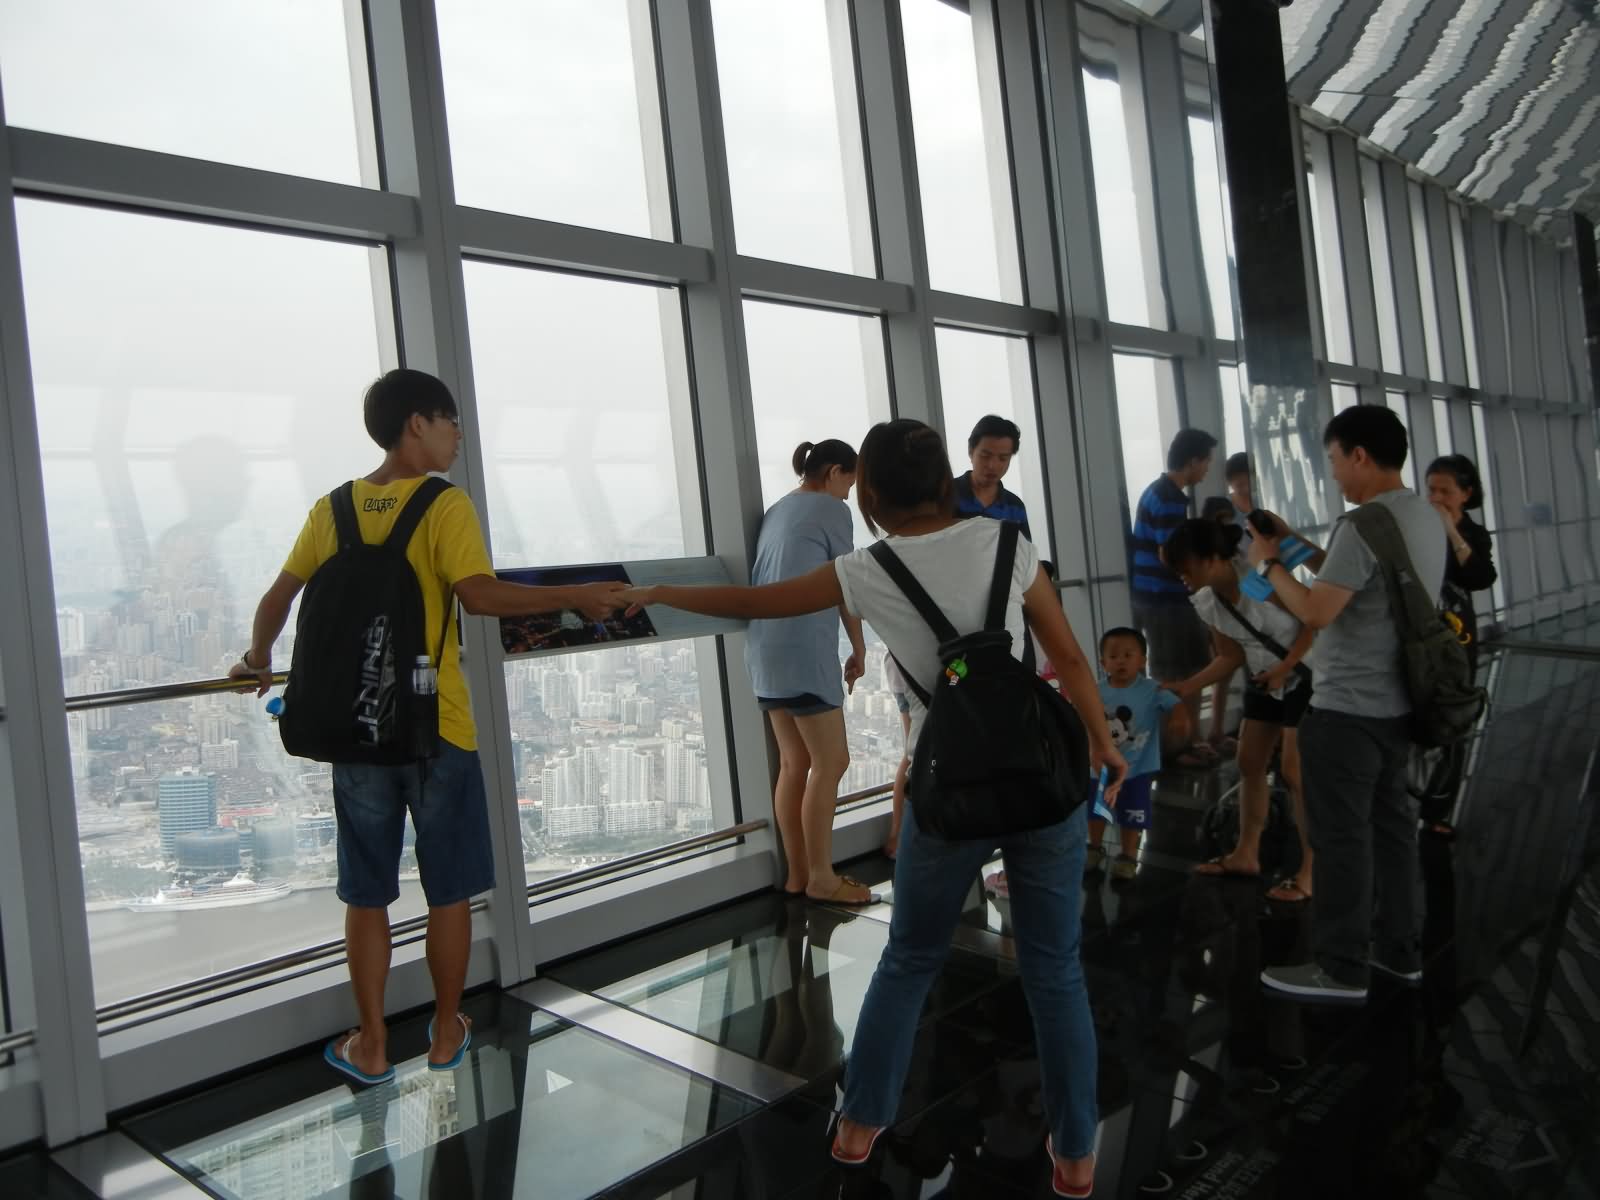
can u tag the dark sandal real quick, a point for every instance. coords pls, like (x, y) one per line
(840, 897)
(1287, 891)
(1223, 871)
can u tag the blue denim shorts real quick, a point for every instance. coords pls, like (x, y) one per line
(450, 814)
(806, 704)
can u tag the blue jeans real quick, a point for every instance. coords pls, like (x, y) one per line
(1044, 872)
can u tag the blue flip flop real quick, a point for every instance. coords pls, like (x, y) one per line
(331, 1054)
(460, 1054)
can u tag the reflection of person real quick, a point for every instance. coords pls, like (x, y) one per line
(1355, 741)
(413, 418)
(906, 489)
(1179, 643)
(1144, 716)
(794, 667)
(186, 557)
(1275, 698)
(991, 446)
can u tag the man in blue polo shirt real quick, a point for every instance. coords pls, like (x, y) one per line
(979, 493)
(1180, 645)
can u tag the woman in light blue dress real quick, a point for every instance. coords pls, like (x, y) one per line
(794, 665)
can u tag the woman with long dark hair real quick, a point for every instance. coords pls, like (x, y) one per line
(794, 666)
(1264, 638)
(1456, 490)
(905, 490)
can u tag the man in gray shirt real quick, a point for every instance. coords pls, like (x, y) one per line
(1354, 743)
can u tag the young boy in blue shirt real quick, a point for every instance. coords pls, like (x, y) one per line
(1143, 717)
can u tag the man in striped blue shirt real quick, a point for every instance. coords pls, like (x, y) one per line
(1180, 646)
(979, 493)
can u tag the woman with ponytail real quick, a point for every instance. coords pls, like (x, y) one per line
(1264, 638)
(794, 665)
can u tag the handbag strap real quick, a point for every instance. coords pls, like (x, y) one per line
(1271, 643)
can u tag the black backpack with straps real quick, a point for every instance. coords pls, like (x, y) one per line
(361, 630)
(1000, 751)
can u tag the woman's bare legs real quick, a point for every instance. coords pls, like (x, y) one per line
(829, 752)
(794, 764)
(1301, 880)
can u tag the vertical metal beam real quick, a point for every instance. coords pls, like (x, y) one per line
(1441, 262)
(1079, 261)
(1516, 263)
(1045, 284)
(1403, 270)
(1264, 164)
(1586, 264)
(1550, 322)
(1354, 253)
(37, 801)
(897, 204)
(1177, 213)
(714, 313)
(431, 305)
(1488, 301)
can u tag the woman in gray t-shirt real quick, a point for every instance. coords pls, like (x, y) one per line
(794, 667)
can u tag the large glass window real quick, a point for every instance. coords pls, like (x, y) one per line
(1234, 437)
(1424, 255)
(609, 751)
(554, 111)
(792, 124)
(1214, 207)
(1382, 270)
(273, 86)
(587, 424)
(816, 374)
(963, 160)
(982, 373)
(1399, 405)
(1144, 446)
(198, 387)
(1122, 211)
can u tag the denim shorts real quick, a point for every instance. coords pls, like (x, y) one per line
(1134, 809)
(806, 704)
(450, 813)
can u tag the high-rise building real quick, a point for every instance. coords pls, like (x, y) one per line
(72, 629)
(220, 756)
(632, 775)
(187, 801)
(685, 776)
(591, 775)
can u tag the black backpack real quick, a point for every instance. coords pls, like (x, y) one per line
(1445, 699)
(349, 698)
(1000, 752)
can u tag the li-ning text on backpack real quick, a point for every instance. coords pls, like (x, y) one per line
(361, 630)
(1000, 751)
(1445, 699)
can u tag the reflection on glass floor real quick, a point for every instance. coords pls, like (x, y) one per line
(541, 1108)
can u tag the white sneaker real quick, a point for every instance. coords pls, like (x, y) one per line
(1310, 982)
(1411, 977)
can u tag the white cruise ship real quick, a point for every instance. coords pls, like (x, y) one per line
(238, 891)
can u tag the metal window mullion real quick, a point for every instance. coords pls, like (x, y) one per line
(1441, 262)
(1403, 269)
(1488, 311)
(431, 306)
(1079, 263)
(47, 926)
(1177, 214)
(1350, 231)
(715, 327)
(53, 164)
(897, 207)
(1550, 322)
(1573, 331)
(1065, 483)
(1516, 260)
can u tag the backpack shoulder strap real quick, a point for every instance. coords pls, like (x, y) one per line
(405, 525)
(1271, 643)
(1409, 602)
(907, 583)
(346, 529)
(1005, 558)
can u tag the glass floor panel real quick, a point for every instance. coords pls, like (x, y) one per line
(34, 1177)
(776, 980)
(541, 1108)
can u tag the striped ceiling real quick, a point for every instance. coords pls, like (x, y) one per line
(1497, 99)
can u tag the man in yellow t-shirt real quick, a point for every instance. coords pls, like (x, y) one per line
(413, 418)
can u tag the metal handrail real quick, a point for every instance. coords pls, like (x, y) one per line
(256, 970)
(1541, 649)
(871, 793)
(165, 691)
(561, 883)
(17, 1041)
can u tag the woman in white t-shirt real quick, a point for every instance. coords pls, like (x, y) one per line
(1265, 639)
(903, 487)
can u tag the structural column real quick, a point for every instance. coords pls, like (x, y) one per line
(1583, 237)
(1263, 163)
